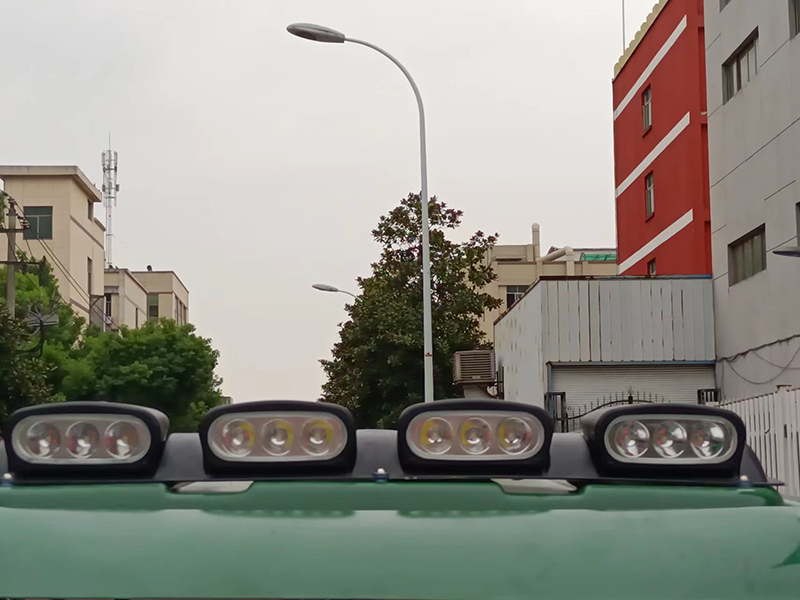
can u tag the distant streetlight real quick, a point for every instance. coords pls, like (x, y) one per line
(793, 251)
(324, 287)
(318, 33)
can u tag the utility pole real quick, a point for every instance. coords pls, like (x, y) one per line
(11, 232)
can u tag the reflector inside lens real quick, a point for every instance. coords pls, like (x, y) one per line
(43, 440)
(669, 440)
(514, 435)
(436, 436)
(238, 437)
(476, 435)
(122, 439)
(317, 437)
(278, 437)
(631, 438)
(708, 439)
(83, 440)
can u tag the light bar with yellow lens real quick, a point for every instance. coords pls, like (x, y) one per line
(87, 437)
(665, 438)
(278, 436)
(470, 436)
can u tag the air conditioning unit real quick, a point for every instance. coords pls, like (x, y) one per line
(474, 367)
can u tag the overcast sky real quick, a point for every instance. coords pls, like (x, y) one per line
(254, 163)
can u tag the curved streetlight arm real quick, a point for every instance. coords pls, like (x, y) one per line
(426, 254)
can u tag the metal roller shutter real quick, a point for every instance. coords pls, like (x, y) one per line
(671, 383)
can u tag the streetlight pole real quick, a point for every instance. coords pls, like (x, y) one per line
(319, 33)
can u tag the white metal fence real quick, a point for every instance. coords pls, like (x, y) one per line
(773, 432)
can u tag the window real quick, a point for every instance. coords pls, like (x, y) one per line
(514, 293)
(41, 222)
(90, 212)
(747, 256)
(723, 4)
(647, 109)
(794, 17)
(137, 318)
(740, 68)
(108, 306)
(152, 306)
(651, 268)
(89, 276)
(649, 196)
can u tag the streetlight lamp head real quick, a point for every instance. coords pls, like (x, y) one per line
(316, 33)
(324, 287)
(792, 251)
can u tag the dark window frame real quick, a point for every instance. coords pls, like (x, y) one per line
(152, 305)
(649, 195)
(517, 293)
(651, 268)
(794, 18)
(36, 231)
(747, 256)
(732, 81)
(647, 108)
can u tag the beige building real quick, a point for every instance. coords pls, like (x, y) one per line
(518, 267)
(58, 202)
(125, 299)
(133, 297)
(167, 297)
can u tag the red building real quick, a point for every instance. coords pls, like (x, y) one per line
(661, 146)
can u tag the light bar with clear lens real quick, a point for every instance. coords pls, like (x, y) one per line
(277, 437)
(69, 439)
(475, 435)
(669, 438)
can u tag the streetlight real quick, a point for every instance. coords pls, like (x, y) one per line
(318, 33)
(792, 251)
(324, 287)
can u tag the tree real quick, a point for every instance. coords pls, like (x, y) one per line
(377, 367)
(22, 376)
(161, 365)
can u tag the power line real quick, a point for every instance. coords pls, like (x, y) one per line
(771, 379)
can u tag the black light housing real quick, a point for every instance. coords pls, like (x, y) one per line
(84, 439)
(665, 440)
(280, 437)
(474, 437)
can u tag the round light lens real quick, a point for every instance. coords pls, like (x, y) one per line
(631, 439)
(708, 439)
(436, 436)
(476, 435)
(122, 440)
(83, 439)
(43, 440)
(278, 437)
(238, 437)
(669, 439)
(514, 436)
(317, 437)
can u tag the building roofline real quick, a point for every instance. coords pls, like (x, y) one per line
(71, 171)
(598, 278)
(129, 274)
(162, 272)
(637, 39)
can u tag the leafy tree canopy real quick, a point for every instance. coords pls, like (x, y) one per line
(377, 366)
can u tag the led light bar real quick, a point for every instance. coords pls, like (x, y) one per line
(474, 436)
(89, 437)
(665, 438)
(278, 436)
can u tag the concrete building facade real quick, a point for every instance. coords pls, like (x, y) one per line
(661, 146)
(125, 300)
(590, 339)
(167, 297)
(753, 65)
(59, 204)
(518, 267)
